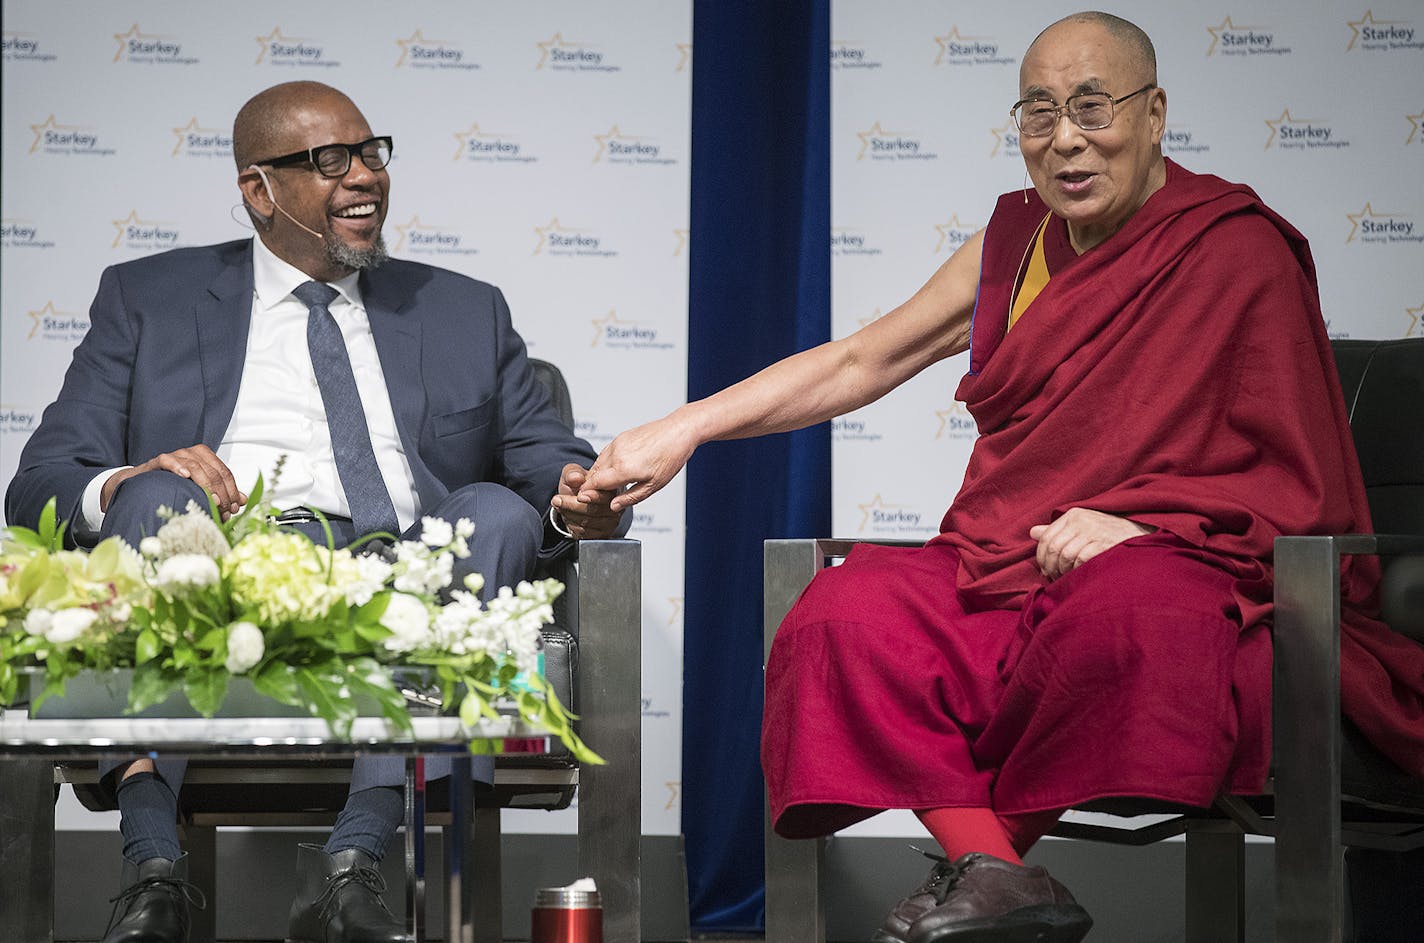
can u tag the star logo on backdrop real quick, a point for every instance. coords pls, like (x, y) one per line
(955, 411)
(1275, 125)
(1367, 20)
(684, 51)
(49, 125)
(605, 139)
(946, 229)
(676, 603)
(673, 788)
(874, 316)
(1416, 321)
(39, 316)
(546, 47)
(601, 325)
(876, 504)
(1225, 27)
(866, 136)
(123, 40)
(544, 231)
(1002, 135)
(1415, 122)
(952, 36)
(191, 127)
(120, 225)
(463, 137)
(273, 37)
(416, 39)
(1357, 218)
(681, 235)
(415, 225)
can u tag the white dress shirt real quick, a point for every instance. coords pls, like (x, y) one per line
(279, 409)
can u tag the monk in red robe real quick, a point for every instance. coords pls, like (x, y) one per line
(1156, 402)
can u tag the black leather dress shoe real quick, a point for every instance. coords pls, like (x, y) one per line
(983, 899)
(930, 894)
(339, 900)
(153, 905)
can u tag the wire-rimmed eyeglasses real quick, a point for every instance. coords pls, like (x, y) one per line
(333, 160)
(1091, 111)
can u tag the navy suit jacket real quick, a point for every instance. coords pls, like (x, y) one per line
(160, 366)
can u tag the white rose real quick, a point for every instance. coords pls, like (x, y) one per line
(68, 624)
(186, 571)
(150, 547)
(38, 621)
(245, 645)
(409, 622)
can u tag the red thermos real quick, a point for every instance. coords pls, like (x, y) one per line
(566, 915)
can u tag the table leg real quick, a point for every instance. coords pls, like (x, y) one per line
(459, 870)
(415, 849)
(27, 850)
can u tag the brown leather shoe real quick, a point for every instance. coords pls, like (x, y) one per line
(989, 900)
(923, 899)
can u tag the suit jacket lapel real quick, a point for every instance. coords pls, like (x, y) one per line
(224, 315)
(397, 338)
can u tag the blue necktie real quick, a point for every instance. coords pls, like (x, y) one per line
(371, 508)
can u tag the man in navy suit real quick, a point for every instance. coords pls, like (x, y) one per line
(196, 375)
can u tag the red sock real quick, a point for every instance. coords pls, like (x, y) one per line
(960, 831)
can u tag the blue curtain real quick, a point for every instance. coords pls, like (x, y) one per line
(759, 290)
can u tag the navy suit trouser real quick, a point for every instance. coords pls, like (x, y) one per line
(508, 534)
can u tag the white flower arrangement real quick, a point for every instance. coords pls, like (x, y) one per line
(205, 599)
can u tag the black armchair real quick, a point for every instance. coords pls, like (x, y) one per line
(1329, 788)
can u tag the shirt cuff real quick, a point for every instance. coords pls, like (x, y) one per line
(91, 516)
(556, 521)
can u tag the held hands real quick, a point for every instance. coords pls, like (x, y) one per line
(1078, 536)
(197, 462)
(589, 519)
(639, 462)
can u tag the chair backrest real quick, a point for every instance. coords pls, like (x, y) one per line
(557, 388)
(1384, 391)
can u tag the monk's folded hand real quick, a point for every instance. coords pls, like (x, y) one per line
(196, 462)
(639, 462)
(1079, 535)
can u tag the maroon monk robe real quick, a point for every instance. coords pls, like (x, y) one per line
(1178, 374)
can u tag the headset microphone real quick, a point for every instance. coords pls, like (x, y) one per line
(273, 198)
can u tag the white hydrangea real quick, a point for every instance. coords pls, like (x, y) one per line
(419, 570)
(409, 622)
(245, 645)
(191, 532)
(436, 532)
(150, 547)
(62, 627)
(185, 572)
(361, 576)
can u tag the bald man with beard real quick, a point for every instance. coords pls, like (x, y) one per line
(200, 372)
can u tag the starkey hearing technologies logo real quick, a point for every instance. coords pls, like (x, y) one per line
(557, 54)
(556, 239)
(952, 234)
(144, 235)
(280, 50)
(1372, 228)
(23, 234)
(480, 146)
(1006, 140)
(1368, 34)
(954, 423)
(50, 324)
(1289, 133)
(418, 52)
(618, 147)
(615, 333)
(17, 419)
(194, 140)
(1228, 39)
(877, 516)
(417, 238)
(850, 54)
(143, 48)
(955, 49)
(1416, 321)
(23, 47)
(876, 143)
(51, 137)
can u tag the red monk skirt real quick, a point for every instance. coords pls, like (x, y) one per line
(1130, 676)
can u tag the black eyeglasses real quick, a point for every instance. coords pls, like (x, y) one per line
(333, 160)
(1091, 111)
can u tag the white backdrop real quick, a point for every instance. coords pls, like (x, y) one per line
(1317, 105)
(542, 147)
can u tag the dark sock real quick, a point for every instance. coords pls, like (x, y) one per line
(148, 818)
(369, 819)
